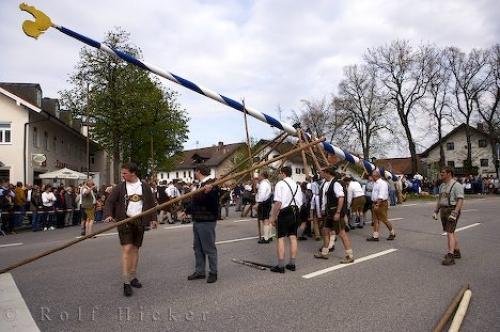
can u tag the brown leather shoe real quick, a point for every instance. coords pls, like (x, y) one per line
(448, 259)
(347, 260)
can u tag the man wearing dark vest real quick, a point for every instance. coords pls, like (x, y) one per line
(204, 209)
(449, 204)
(335, 216)
(128, 199)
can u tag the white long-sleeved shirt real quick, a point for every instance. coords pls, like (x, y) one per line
(48, 199)
(263, 191)
(354, 190)
(172, 191)
(380, 190)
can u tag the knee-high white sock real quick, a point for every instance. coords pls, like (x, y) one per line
(265, 231)
(332, 241)
(272, 231)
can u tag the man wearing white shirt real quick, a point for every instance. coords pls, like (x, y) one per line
(48, 201)
(355, 201)
(172, 192)
(380, 196)
(316, 189)
(334, 216)
(129, 199)
(285, 215)
(263, 199)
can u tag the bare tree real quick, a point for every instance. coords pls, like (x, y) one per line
(362, 104)
(401, 70)
(489, 105)
(469, 84)
(437, 101)
(320, 118)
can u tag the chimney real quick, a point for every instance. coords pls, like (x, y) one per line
(220, 145)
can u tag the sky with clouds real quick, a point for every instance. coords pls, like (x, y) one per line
(271, 53)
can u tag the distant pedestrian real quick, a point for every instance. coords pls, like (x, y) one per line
(449, 204)
(380, 196)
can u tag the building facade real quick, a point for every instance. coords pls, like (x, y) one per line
(32, 126)
(219, 159)
(455, 151)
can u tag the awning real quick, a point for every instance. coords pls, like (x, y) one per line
(64, 173)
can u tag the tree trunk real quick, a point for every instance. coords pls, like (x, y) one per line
(116, 164)
(412, 148)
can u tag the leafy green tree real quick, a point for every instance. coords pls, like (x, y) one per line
(133, 116)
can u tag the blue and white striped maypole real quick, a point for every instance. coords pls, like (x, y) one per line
(42, 23)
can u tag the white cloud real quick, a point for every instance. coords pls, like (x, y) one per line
(269, 52)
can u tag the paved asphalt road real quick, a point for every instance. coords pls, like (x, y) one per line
(404, 290)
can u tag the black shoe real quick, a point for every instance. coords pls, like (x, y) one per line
(212, 277)
(290, 267)
(448, 259)
(262, 241)
(360, 226)
(195, 276)
(135, 283)
(302, 238)
(372, 239)
(331, 249)
(277, 269)
(391, 237)
(457, 254)
(127, 290)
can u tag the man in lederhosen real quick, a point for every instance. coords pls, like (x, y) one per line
(285, 215)
(449, 204)
(380, 196)
(128, 199)
(335, 216)
(264, 203)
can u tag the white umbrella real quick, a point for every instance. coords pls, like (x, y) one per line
(64, 173)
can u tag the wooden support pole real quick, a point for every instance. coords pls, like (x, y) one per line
(449, 311)
(247, 134)
(315, 160)
(302, 152)
(154, 209)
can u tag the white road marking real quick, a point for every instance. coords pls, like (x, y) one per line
(14, 314)
(465, 227)
(414, 204)
(393, 219)
(237, 240)
(340, 266)
(10, 245)
(242, 220)
(179, 226)
(100, 235)
(469, 210)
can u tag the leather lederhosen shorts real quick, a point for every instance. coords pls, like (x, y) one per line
(448, 226)
(131, 233)
(335, 225)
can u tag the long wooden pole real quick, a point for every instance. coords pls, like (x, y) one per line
(449, 311)
(302, 152)
(247, 134)
(154, 209)
(315, 160)
(280, 138)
